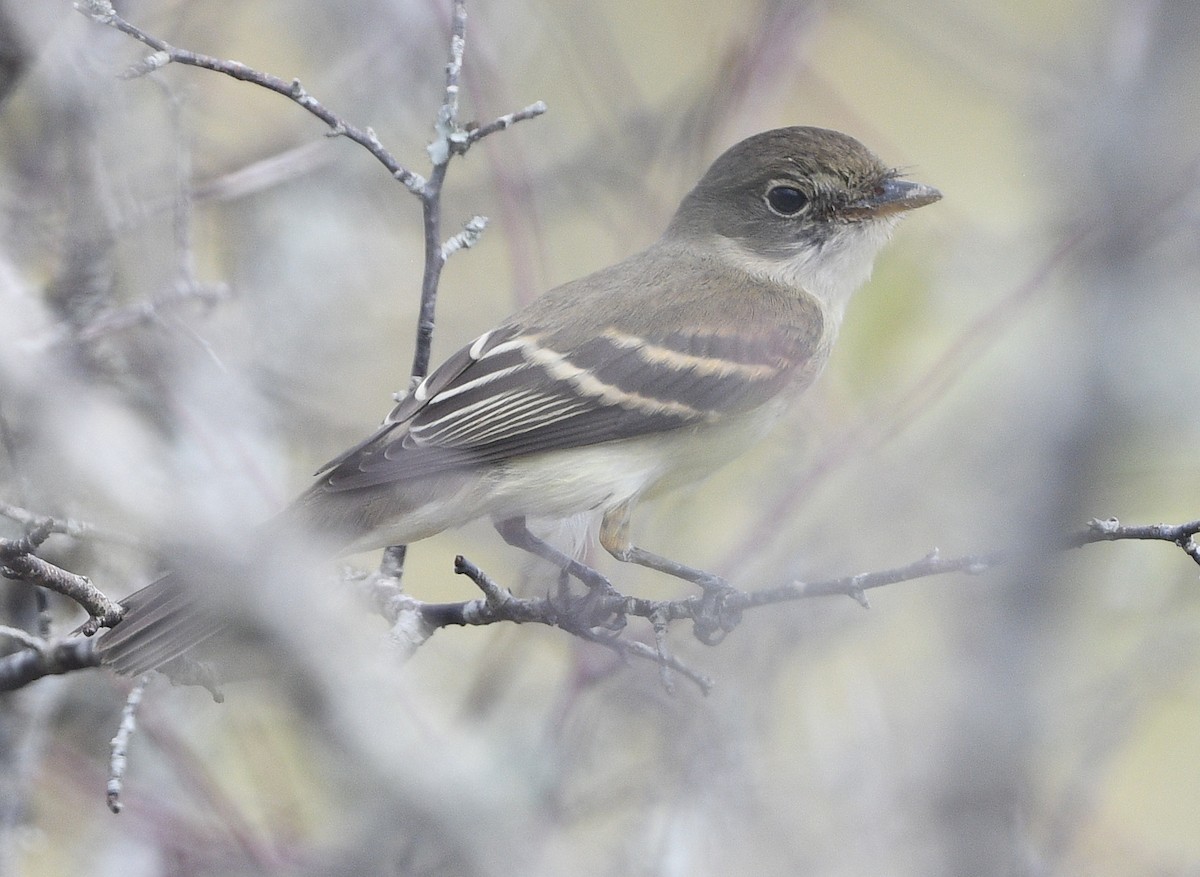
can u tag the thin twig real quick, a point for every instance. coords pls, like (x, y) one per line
(664, 660)
(659, 624)
(71, 527)
(1112, 530)
(855, 586)
(451, 138)
(446, 129)
(102, 12)
(474, 135)
(19, 561)
(446, 125)
(120, 743)
(500, 604)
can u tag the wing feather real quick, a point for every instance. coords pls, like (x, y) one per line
(513, 393)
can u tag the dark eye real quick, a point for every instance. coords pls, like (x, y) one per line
(786, 200)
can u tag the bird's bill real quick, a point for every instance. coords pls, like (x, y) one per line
(893, 196)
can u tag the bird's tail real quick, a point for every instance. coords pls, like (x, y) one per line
(161, 622)
(204, 597)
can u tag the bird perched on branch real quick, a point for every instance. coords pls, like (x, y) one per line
(609, 389)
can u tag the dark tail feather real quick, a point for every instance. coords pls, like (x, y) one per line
(161, 622)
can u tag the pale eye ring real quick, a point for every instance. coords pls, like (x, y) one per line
(786, 200)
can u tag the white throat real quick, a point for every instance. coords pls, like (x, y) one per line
(831, 273)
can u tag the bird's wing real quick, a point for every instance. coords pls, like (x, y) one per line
(518, 391)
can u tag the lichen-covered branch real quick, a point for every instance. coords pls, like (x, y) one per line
(17, 561)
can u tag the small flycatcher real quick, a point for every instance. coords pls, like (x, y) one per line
(643, 376)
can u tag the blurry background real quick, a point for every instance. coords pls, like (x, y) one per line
(1025, 358)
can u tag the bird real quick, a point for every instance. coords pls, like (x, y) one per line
(607, 390)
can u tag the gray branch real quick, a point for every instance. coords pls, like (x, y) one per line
(601, 617)
(102, 12)
(117, 761)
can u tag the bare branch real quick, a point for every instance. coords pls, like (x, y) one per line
(120, 743)
(18, 562)
(53, 658)
(446, 126)
(713, 613)
(932, 564)
(665, 661)
(578, 619)
(504, 122)
(1112, 530)
(452, 139)
(102, 12)
(410, 629)
(76, 529)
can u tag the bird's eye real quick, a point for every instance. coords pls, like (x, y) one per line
(786, 200)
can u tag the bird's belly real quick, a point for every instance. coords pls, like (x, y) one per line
(602, 476)
(564, 483)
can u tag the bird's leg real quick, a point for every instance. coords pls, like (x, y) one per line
(614, 536)
(516, 533)
(713, 618)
